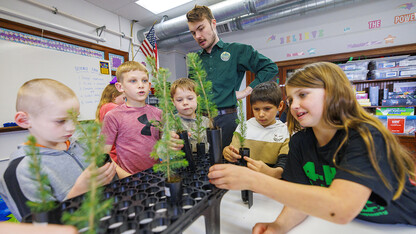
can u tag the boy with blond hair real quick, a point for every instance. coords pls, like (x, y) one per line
(184, 98)
(128, 126)
(42, 107)
(267, 137)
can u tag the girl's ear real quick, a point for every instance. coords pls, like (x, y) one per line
(22, 119)
(281, 105)
(119, 87)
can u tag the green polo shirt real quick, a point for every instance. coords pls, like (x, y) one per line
(226, 66)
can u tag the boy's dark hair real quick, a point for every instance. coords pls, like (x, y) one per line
(269, 92)
(199, 13)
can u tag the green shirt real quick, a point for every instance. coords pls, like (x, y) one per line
(226, 66)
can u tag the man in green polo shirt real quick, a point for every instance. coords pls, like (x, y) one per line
(226, 64)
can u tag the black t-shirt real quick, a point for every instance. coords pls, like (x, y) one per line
(310, 164)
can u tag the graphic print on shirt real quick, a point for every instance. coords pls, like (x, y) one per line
(146, 129)
(370, 209)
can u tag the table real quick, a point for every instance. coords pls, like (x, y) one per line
(237, 218)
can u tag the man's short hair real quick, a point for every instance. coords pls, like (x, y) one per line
(31, 97)
(199, 13)
(269, 92)
(129, 66)
(183, 83)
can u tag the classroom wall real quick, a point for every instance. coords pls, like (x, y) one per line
(336, 30)
(79, 8)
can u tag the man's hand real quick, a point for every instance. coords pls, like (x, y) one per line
(242, 94)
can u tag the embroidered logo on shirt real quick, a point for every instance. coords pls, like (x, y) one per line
(277, 137)
(146, 129)
(225, 56)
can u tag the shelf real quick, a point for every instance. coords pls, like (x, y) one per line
(371, 107)
(384, 80)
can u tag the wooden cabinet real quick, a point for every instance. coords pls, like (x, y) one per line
(287, 67)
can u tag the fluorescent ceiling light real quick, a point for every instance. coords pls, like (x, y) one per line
(158, 6)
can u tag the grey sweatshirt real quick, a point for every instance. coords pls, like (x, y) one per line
(17, 184)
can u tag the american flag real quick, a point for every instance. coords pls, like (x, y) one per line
(149, 47)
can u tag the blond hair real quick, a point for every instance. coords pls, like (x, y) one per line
(129, 66)
(108, 95)
(342, 111)
(32, 95)
(182, 83)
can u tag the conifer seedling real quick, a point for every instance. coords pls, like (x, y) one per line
(93, 206)
(199, 121)
(242, 124)
(43, 188)
(170, 159)
(203, 88)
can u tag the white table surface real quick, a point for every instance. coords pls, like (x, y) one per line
(237, 218)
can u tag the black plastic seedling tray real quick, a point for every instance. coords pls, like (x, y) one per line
(140, 204)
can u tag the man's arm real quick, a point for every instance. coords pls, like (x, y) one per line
(263, 67)
(242, 94)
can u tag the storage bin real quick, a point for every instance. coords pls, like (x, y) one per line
(403, 125)
(356, 74)
(390, 62)
(409, 61)
(393, 73)
(355, 65)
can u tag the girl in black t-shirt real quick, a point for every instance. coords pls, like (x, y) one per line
(342, 163)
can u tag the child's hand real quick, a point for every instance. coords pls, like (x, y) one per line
(175, 142)
(256, 165)
(260, 166)
(105, 175)
(231, 154)
(228, 176)
(261, 228)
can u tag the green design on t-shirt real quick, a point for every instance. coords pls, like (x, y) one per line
(373, 209)
(370, 208)
(329, 174)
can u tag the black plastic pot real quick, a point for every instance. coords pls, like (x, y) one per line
(246, 195)
(50, 217)
(215, 145)
(200, 149)
(173, 190)
(187, 149)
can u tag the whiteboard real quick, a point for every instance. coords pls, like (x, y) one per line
(22, 62)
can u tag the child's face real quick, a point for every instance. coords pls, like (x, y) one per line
(119, 99)
(135, 86)
(265, 113)
(185, 103)
(52, 125)
(306, 105)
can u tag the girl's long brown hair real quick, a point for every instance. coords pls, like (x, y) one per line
(110, 92)
(342, 111)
